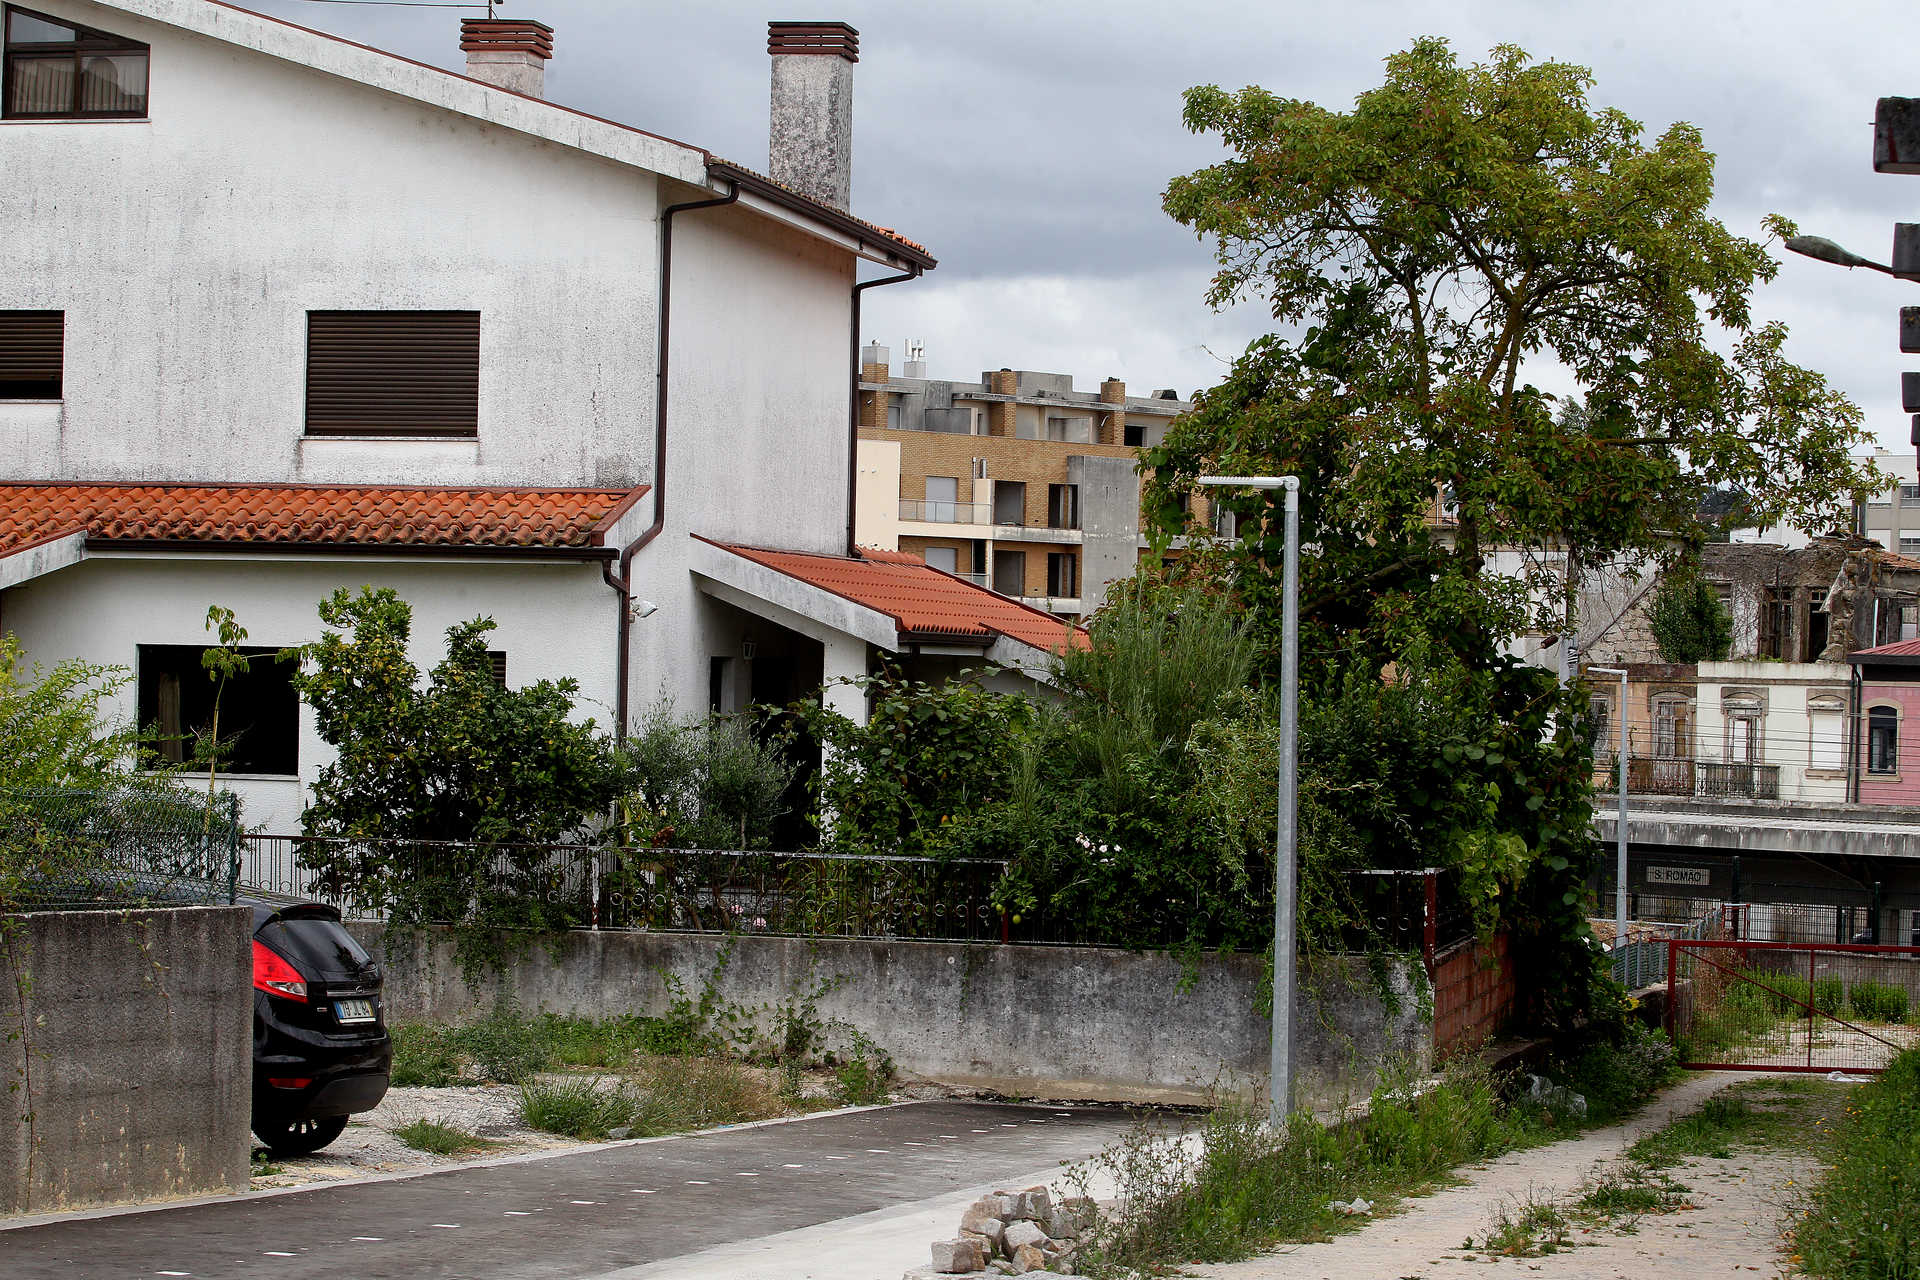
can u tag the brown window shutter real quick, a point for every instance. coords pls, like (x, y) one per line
(31, 354)
(393, 373)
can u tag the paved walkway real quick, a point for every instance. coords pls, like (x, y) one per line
(1734, 1231)
(621, 1210)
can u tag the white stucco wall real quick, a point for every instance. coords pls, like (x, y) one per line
(186, 250)
(555, 619)
(1809, 772)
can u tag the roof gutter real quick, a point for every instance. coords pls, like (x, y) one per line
(622, 580)
(853, 392)
(861, 233)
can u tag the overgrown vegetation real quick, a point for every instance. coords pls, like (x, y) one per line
(439, 1138)
(1689, 622)
(1863, 1219)
(1239, 1186)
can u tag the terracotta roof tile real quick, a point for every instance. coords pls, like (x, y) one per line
(328, 515)
(925, 602)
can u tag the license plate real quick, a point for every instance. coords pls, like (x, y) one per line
(353, 1010)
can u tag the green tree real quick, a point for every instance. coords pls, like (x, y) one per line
(715, 783)
(1689, 621)
(1459, 223)
(459, 757)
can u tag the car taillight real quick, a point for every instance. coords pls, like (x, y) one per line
(273, 975)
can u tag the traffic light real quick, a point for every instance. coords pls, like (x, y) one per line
(1896, 149)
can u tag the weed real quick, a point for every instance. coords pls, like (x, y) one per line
(577, 1108)
(1754, 1113)
(1236, 1184)
(438, 1138)
(1863, 1219)
(507, 1047)
(678, 1094)
(424, 1056)
(1530, 1227)
(1625, 1189)
(1878, 1001)
(262, 1164)
(862, 1080)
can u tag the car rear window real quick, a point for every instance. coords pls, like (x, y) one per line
(318, 948)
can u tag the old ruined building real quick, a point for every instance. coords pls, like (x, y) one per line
(1781, 718)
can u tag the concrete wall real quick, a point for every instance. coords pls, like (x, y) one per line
(554, 620)
(139, 1063)
(1056, 1021)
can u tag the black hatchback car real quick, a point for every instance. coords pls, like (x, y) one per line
(320, 1046)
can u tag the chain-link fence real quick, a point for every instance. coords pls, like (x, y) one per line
(143, 844)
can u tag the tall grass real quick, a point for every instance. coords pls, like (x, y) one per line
(1238, 1185)
(1864, 1219)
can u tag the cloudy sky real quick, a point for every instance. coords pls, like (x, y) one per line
(1026, 143)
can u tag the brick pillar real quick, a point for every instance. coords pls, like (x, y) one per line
(873, 404)
(1000, 416)
(1114, 391)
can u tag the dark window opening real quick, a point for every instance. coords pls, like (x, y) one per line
(259, 726)
(1010, 502)
(57, 69)
(497, 663)
(1063, 506)
(1063, 574)
(1133, 436)
(1883, 740)
(31, 354)
(393, 373)
(1776, 624)
(1817, 618)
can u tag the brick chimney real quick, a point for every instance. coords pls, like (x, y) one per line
(810, 133)
(509, 52)
(1114, 391)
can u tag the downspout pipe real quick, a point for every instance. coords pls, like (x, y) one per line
(853, 379)
(622, 579)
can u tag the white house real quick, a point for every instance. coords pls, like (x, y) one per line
(281, 313)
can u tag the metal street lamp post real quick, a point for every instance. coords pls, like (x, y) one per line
(1286, 840)
(1620, 835)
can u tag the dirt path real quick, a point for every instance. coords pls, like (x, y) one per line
(1741, 1204)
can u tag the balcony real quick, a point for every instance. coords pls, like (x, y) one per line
(924, 512)
(1053, 604)
(1681, 776)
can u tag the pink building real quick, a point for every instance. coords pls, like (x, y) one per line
(1887, 698)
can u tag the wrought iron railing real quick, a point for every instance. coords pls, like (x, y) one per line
(594, 886)
(1686, 776)
(1738, 781)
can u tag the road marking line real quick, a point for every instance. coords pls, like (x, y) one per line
(695, 1182)
(639, 1191)
(746, 1175)
(950, 1135)
(793, 1166)
(279, 1253)
(983, 1131)
(916, 1144)
(448, 1226)
(173, 1273)
(878, 1151)
(583, 1202)
(519, 1213)
(366, 1239)
(839, 1157)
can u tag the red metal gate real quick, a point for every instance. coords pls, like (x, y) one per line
(1783, 1006)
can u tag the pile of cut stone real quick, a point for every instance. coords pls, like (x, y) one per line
(1011, 1233)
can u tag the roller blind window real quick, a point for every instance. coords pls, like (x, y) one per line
(393, 373)
(31, 351)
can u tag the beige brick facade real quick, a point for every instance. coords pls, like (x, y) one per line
(1002, 382)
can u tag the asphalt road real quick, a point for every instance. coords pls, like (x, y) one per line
(581, 1215)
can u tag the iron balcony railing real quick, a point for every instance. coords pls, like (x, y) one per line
(1684, 776)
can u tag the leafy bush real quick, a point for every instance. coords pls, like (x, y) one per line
(1878, 1001)
(507, 1047)
(1863, 1222)
(862, 1079)
(1619, 1071)
(717, 783)
(576, 1108)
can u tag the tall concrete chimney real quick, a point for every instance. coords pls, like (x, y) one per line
(509, 52)
(810, 143)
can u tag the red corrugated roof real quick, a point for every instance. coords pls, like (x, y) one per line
(1898, 649)
(324, 515)
(924, 602)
